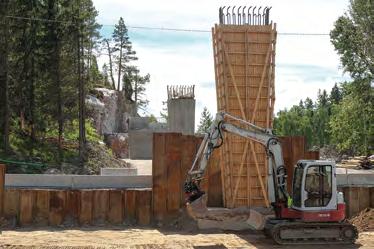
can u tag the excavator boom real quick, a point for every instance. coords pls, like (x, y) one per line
(214, 139)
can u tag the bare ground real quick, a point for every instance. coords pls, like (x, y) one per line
(120, 237)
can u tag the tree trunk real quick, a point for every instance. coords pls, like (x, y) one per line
(82, 131)
(4, 72)
(60, 114)
(120, 64)
(110, 64)
(136, 95)
(32, 100)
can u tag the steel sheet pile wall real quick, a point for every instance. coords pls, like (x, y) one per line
(244, 70)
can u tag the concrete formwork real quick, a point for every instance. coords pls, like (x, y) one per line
(244, 58)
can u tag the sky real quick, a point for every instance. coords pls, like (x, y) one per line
(304, 64)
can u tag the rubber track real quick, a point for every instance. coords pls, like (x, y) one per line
(273, 230)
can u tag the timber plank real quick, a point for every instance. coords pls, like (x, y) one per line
(26, 203)
(57, 204)
(159, 177)
(143, 203)
(101, 205)
(364, 201)
(11, 203)
(72, 207)
(190, 146)
(130, 208)
(86, 207)
(215, 198)
(173, 165)
(354, 201)
(115, 212)
(41, 207)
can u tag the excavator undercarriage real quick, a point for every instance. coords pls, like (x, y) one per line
(294, 232)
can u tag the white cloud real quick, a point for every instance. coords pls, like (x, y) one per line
(178, 62)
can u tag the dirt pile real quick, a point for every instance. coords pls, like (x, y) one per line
(100, 157)
(364, 221)
(358, 162)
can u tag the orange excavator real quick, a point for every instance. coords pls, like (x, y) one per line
(314, 211)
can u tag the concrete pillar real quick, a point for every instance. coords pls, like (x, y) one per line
(181, 115)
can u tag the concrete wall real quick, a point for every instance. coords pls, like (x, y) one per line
(141, 137)
(354, 178)
(76, 181)
(118, 171)
(138, 123)
(140, 144)
(181, 116)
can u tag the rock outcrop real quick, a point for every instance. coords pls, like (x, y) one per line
(109, 111)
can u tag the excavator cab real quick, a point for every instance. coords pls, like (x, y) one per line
(314, 186)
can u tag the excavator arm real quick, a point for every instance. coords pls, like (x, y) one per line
(214, 138)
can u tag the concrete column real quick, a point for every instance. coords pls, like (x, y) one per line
(181, 115)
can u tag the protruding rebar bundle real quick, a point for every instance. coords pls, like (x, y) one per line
(181, 92)
(239, 16)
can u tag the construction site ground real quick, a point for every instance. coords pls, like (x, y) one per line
(120, 237)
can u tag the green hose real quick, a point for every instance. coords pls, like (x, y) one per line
(38, 165)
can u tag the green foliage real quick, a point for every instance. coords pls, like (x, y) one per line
(206, 121)
(352, 128)
(353, 39)
(134, 87)
(152, 119)
(164, 112)
(353, 117)
(123, 47)
(71, 132)
(307, 119)
(344, 118)
(42, 75)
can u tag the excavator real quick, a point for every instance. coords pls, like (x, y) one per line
(314, 211)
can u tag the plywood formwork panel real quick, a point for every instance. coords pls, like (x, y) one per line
(244, 72)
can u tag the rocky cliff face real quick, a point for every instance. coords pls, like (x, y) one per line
(109, 111)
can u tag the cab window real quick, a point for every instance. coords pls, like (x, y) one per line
(296, 186)
(318, 186)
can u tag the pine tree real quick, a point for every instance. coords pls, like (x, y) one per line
(206, 121)
(123, 46)
(110, 56)
(335, 94)
(164, 111)
(134, 87)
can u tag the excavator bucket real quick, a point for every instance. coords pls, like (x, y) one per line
(197, 209)
(225, 218)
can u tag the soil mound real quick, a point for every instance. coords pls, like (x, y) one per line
(364, 221)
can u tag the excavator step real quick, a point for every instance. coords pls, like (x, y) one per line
(293, 232)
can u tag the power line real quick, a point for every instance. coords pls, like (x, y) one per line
(162, 28)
